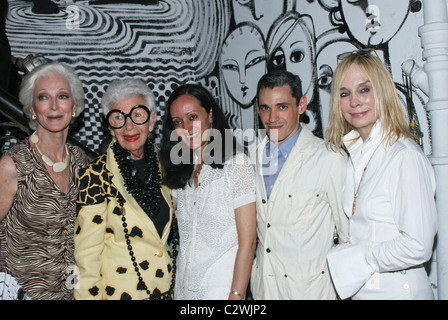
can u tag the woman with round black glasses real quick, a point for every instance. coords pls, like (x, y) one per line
(125, 216)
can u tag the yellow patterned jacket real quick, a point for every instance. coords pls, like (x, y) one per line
(101, 253)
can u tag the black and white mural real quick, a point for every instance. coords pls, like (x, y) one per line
(226, 45)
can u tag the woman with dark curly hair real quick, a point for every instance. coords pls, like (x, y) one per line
(215, 194)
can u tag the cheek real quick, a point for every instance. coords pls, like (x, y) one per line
(179, 133)
(345, 105)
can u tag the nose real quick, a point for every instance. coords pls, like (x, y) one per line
(129, 125)
(354, 100)
(242, 75)
(273, 115)
(53, 103)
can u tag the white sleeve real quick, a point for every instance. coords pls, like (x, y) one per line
(242, 180)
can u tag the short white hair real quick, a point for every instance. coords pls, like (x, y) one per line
(121, 89)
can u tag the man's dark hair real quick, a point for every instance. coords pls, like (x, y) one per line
(279, 78)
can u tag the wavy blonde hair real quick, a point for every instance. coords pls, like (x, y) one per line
(387, 105)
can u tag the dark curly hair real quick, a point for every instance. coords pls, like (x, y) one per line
(178, 175)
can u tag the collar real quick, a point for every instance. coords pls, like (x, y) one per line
(352, 140)
(286, 146)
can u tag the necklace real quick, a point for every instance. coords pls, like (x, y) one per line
(197, 172)
(173, 239)
(57, 166)
(360, 181)
(147, 194)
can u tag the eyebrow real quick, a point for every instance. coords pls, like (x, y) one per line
(278, 104)
(359, 85)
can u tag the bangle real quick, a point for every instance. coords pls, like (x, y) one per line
(236, 293)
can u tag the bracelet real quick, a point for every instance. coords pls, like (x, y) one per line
(236, 293)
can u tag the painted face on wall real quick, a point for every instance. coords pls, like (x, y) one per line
(326, 64)
(291, 47)
(374, 22)
(261, 12)
(243, 62)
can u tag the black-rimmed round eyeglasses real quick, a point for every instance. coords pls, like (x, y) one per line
(360, 52)
(117, 119)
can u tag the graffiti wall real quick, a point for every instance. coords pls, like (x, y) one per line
(226, 45)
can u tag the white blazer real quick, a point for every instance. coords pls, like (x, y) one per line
(393, 228)
(295, 225)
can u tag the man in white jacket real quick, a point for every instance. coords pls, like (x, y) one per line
(299, 184)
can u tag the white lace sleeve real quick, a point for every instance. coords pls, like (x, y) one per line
(242, 180)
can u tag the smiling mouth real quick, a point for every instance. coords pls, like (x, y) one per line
(52, 118)
(192, 136)
(359, 114)
(131, 138)
(274, 126)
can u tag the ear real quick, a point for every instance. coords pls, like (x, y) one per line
(302, 105)
(152, 120)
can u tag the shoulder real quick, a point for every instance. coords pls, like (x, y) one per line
(94, 166)
(239, 166)
(238, 159)
(8, 168)
(405, 151)
(78, 154)
(318, 150)
(21, 149)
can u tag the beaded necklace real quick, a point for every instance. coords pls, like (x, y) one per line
(148, 196)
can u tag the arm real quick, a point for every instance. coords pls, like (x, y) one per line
(411, 185)
(243, 193)
(8, 184)
(335, 189)
(90, 228)
(246, 227)
(412, 188)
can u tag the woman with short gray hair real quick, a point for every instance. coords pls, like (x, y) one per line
(125, 216)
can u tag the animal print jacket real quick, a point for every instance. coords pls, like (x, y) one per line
(102, 255)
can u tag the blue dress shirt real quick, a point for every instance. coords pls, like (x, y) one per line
(274, 156)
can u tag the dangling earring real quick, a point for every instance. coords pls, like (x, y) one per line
(34, 117)
(74, 115)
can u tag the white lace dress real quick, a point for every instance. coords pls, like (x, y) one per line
(207, 229)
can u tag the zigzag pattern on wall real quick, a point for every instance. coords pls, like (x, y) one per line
(164, 45)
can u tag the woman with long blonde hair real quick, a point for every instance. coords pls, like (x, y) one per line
(389, 191)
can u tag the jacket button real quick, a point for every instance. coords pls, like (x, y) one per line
(263, 201)
(268, 250)
(269, 225)
(159, 253)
